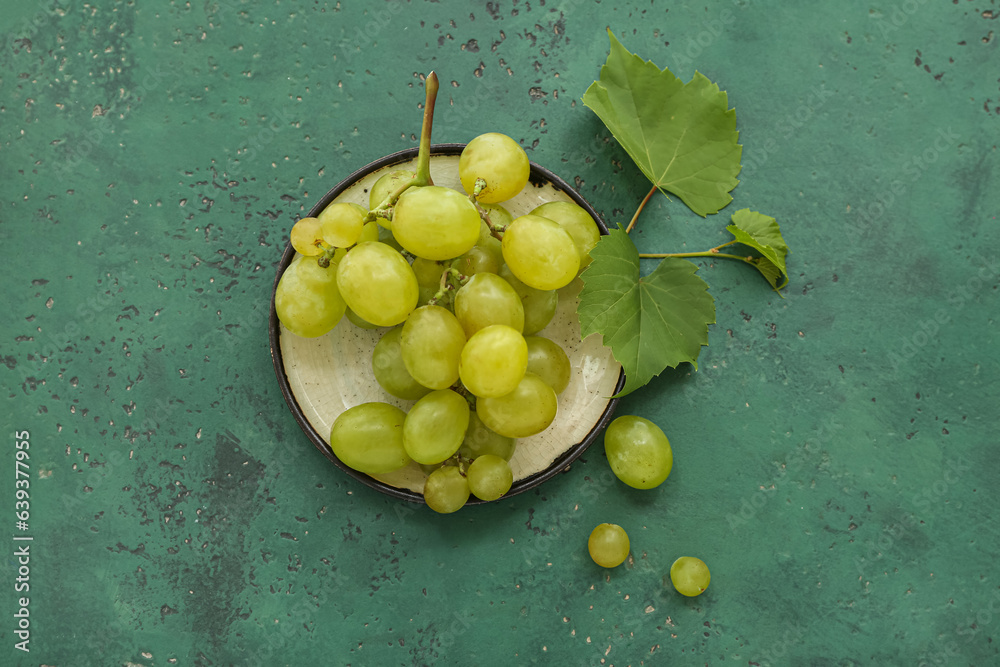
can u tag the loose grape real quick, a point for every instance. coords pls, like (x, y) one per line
(446, 490)
(307, 237)
(369, 438)
(608, 545)
(377, 283)
(548, 361)
(638, 451)
(488, 299)
(307, 300)
(690, 576)
(341, 224)
(540, 252)
(431, 345)
(493, 361)
(390, 371)
(481, 440)
(497, 159)
(539, 305)
(435, 426)
(435, 222)
(527, 410)
(489, 477)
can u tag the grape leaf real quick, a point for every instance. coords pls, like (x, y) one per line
(681, 135)
(763, 234)
(649, 322)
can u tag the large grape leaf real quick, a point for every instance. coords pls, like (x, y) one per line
(649, 322)
(762, 233)
(681, 135)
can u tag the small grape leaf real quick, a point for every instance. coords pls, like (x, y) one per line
(681, 135)
(762, 233)
(770, 272)
(649, 322)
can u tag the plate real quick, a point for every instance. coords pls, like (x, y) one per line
(322, 377)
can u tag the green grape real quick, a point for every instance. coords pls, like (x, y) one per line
(435, 426)
(435, 222)
(527, 410)
(481, 440)
(493, 361)
(608, 545)
(548, 361)
(446, 490)
(428, 272)
(385, 236)
(359, 321)
(307, 300)
(431, 345)
(488, 299)
(690, 576)
(338, 255)
(638, 451)
(540, 252)
(539, 305)
(575, 220)
(377, 283)
(425, 296)
(497, 159)
(487, 241)
(369, 438)
(307, 237)
(477, 260)
(428, 469)
(499, 216)
(384, 187)
(341, 224)
(390, 371)
(489, 477)
(369, 232)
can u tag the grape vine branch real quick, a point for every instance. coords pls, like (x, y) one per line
(683, 137)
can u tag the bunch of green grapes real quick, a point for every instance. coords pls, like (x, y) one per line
(462, 289)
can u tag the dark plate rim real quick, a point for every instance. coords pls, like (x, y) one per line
(538, 174)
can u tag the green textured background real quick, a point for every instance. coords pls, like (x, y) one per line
(836, 457)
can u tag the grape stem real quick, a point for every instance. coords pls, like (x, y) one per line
(638, 211)
(479, 187)
(422, 175)
(495, 230)
(447, 285)
(711, 252)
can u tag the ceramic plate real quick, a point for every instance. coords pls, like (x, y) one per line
(322, 377)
